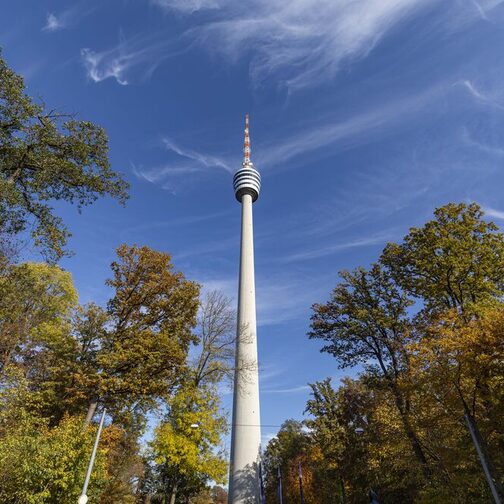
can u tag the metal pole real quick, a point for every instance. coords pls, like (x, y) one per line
(301, 491)
(83, 498)
(261, 484)
(280, 493)
(483, 461)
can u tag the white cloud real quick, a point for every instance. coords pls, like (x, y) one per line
(188, 6)
(205, 160)
(483, 7)
(161, 173)
(267, 437)
(484, 147)
(140, 54)
(480, 95)
(173, 175)
(53, 23)
(288, 390)
(492, 212)
(68, 17)
(338, 247)
(297, 42)
(348, 132)
(304, 41)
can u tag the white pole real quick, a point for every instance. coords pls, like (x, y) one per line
(483, 461)
(84, 498)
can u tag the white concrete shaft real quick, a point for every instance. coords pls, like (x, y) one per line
(244, 485)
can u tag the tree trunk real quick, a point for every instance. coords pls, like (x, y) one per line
(343, 491)
(413, 438)
(91, 411)
(173, 493)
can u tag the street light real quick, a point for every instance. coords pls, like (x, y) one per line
(84, 498)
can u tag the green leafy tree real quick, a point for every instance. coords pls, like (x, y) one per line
(424, 326)
(36, 300)
(41, 464)
(366, 322)
(47, 156)
(151, 319)
(453, 261)
(186, 446)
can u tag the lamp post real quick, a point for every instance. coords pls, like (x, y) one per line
(481, 454)
(83, 497)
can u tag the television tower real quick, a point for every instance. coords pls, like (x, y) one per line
(244, 486)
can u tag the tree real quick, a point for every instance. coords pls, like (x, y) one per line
(294, 448)
(184, 445)
(36, 300)
(425, 325)
(359, 432)
(151, 317)
(47, 156)
(366, 322)
(40, 464)
(458, 366)
(336, 416)
(219, 495)
(453, 261)
(214, 359)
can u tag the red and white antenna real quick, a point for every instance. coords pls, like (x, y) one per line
(247, 179)
(246, 143)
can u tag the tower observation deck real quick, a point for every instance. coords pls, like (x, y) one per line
(244, 486)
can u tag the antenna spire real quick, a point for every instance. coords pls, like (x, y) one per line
(246, 143)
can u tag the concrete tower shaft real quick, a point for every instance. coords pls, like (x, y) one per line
(244, 486)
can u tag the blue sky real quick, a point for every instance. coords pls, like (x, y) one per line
(365, 116)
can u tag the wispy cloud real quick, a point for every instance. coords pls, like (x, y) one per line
(68, 17)
(480, 95)
(304, 41)
(484, 147)
(53, 23)
(492, 212)
(128, 233)
(176, 174)
(288, 390)
(205, 160)
(188, 6)
(299, 43)
(139, 56)
(483, 7)
(349, 132)
(163, 172)
(337, 247)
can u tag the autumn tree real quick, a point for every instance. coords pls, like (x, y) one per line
(40, 463)
(458, 368)
(47, 156)
(151, 315)
(410, 324)
(455, 260)
(36, 300)
(366, 323)
(187, 445)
